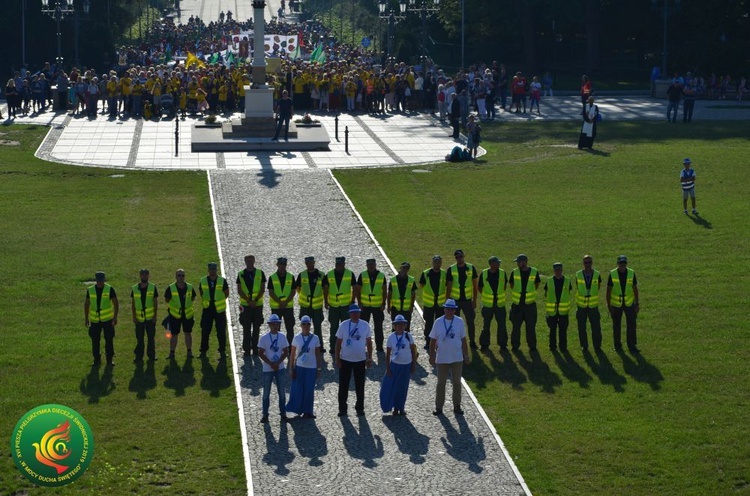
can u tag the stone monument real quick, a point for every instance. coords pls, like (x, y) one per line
(258, 97)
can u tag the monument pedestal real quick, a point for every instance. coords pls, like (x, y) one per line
(258, 103)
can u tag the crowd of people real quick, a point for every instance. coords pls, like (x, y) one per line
(449, 299)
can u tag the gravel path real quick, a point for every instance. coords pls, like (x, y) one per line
(301, 213)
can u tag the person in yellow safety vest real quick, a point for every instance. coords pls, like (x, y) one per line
(492, 285)
(372, 296)
(100, 310)
(145, 308)
(214, 291)
(339, 291)
(281, 296)
(557, 307)
(402, 294)
(524, 282)
(587, 284)
(622, 297)
(433, 284)
(309, 286)
(251, 286)
(461, 286)
(181, 314)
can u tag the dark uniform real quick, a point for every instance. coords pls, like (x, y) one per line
(402, 289)
(100, 310)
(433, 284)
(144, 296)
(281, 292)
(339, 290)
(523, 282)
(622, 297)
(557, 305)
(310, 297)
(461, 281)
(492, 285)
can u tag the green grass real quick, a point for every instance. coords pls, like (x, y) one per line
(158, 430)
(671, 422)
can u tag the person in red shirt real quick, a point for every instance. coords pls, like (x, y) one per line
(518, 89)
(586, 89)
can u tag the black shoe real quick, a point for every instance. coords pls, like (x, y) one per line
(342, 414)
(473, 345)
(222, 357)
(110, 363)
(264, 419)
(427, 347)
(634, 350)
(551, 348)
(322, 350)
(437, 413)
(458, 411)
(564, 350)
(515, 348)
(380, 350)
(360, 413)
(532, 348)
(96, 363)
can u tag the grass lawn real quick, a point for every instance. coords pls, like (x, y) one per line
(157, 430)
(672, 421)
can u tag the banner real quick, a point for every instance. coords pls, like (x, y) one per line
(279, 43)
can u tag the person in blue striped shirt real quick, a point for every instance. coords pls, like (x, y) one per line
(687, 179)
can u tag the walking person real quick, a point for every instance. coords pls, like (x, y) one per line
(100, 310)
(492, 285)
(623, 298)
(372, 295)
(339, 291)
(273, 348)
(145, 305)
(353, 354)
(461, 286)
(214, 291)
(524, 281)
(251, 284)
(402, 294)
(179, 297)
(309, 286)
(281, 295)
(305, 365)
(400, 364)
(587, 283)
(557, 295)
(448, 352)
(433, 284)
(687, 180)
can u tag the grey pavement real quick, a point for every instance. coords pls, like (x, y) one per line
(209, 10)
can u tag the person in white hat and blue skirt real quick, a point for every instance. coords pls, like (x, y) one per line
(305, 365)
(273, 348)
(401, 363)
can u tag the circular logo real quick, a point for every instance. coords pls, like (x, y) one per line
(52, 445)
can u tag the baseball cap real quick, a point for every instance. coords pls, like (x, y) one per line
(521, 257)
(622, 259)
(100, 276)
(494, 259)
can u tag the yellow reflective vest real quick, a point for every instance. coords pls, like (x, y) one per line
(102, 310)
(282, 293)
(220, 299)
(530, 288)
(430, 299)
(587, 297)
(617, 298)
(372, 297)
(312, 300)
(256, 294)
(554, 307)
(398, 301)
(468, 284)
(340, 296)
(142, 314)
(491, 299)
(176, 309)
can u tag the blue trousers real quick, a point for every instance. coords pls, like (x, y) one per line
(268, 377)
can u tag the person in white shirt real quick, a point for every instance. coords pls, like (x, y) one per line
(273, 348)
(353, 354)
(401, 362)
(304, 369)
(449, 351)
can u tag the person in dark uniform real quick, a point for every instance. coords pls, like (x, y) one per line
(144, 296)
(524, 282)
(284, 111)
(214, 291)
(372, 299)
(623, 298)
(492, 285)
(434, 294)
(251, 285)
(309, 286)
(339, 291)
(402, 293)
(455, 115)
(281, 296)
(100, 311)
(587, 285)
(461, 286)
(557, 304)
(181, 314)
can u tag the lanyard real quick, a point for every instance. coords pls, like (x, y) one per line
(306, 344)
(274, 347)
(398, 341)
(447, 329)
(352, 332)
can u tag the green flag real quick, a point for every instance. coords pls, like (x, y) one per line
(214, 58)
(316, 53)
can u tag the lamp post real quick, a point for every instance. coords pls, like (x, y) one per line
(664, 42)
(58, 11)
(425, 12)
(392, 18)
(77, 22)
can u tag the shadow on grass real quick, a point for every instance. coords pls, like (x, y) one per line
(362, 445)
(571, 370)
(144, 379)
(605, 371)
(278, 454)
(308, 439)
(538, 371)
(700, 221)
(95, 386)
(641, 370)
(507, 370)
(408, 439)
(462, 445)
(179, 378)
(214, 380)
(478, 372)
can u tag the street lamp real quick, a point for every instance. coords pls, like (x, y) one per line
(666, 16)
(425, 12)
(393, 18)
(58, 10)
(77, 22)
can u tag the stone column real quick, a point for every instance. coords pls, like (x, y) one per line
(259, 55)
